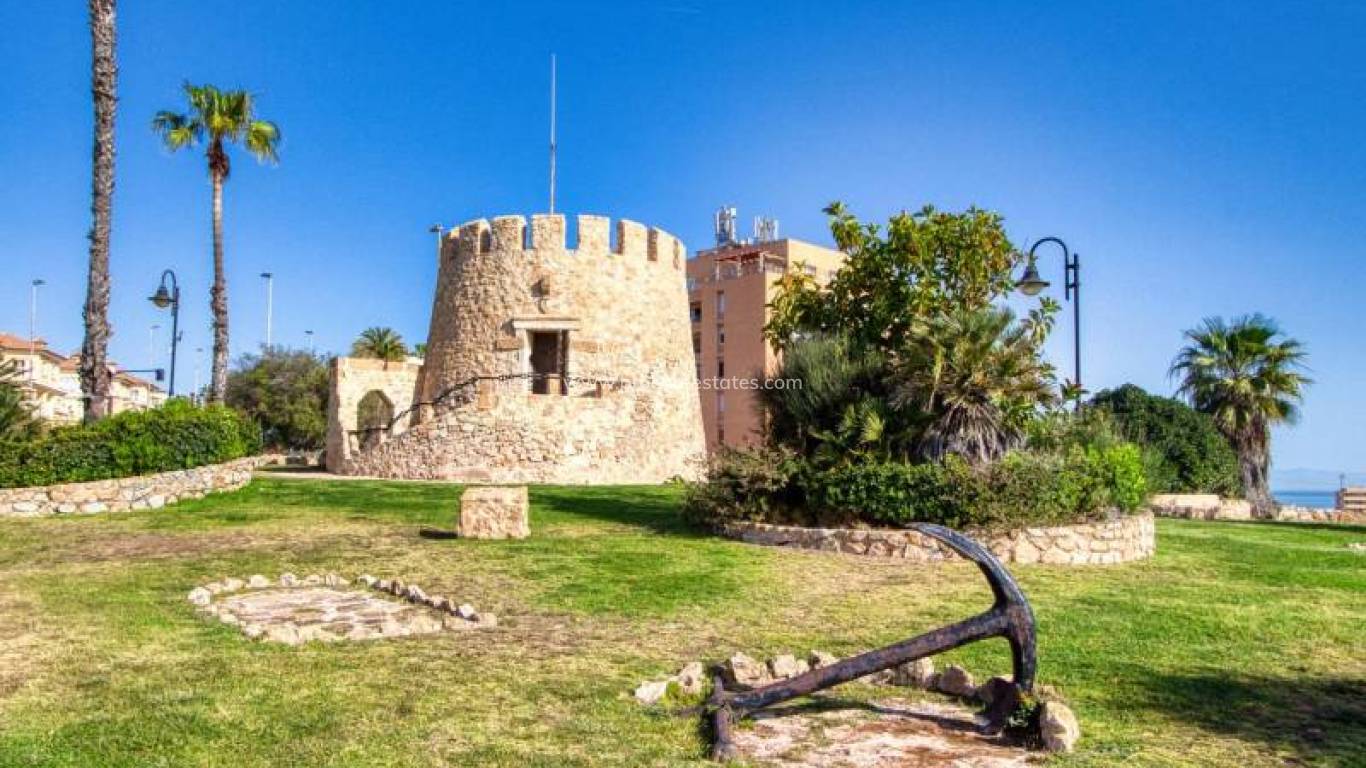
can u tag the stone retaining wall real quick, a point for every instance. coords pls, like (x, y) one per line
(1199, 506)
(1208, 506)
(126, 493)
(1287, 513)
(1102, 543)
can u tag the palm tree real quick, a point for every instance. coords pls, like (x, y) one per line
(16, 417)
(977, 377)
(219, 118)
(94, 372)
(1247, 377)
(380, 343)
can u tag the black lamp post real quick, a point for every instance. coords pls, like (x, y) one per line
(1031, 284)
(163, 299)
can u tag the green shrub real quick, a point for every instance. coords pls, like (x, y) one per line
(1025, 488)
(1185, 452)
(896, 493)
(177, 435)
(757, 484)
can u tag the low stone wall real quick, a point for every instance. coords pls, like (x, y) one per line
(1199, 506)
(1288, 513)
(1101, 543)
(1208, 506)
(127, 493)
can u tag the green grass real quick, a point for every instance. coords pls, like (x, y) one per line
(1238, 645)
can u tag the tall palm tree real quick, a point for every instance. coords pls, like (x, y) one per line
(1247, 376)
(380, 343)
(94, 373)
(977, 377)
(218, 118)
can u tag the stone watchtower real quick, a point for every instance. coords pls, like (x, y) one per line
(544, 364)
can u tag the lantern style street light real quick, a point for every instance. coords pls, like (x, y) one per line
(1031, 284)
(164, 298)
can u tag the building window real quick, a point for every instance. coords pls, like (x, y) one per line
(697, 343)
(720, 369)
(720, 304)
(695, 311)
(720, 404)
(549, 362)
(721, 335)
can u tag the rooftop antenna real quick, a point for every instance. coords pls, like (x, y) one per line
(552, 133)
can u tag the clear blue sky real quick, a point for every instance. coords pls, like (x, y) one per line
(1204, 158)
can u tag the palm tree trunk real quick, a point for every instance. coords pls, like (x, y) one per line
(218, 301)
(1253, 464)
(94, 372)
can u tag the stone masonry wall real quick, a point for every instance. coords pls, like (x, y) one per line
(1101, 543)
(1287, 513)
(1208, 506)
(127, 493)
(350, 380)
(624, 307)
(1199, 506)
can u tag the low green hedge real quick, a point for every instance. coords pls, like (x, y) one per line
(1025, 488)
(178, 435)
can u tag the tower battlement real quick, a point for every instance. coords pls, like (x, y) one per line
(547, 233)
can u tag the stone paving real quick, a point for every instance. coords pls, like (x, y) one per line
(326, 609)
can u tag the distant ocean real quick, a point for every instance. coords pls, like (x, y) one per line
(1320, 499)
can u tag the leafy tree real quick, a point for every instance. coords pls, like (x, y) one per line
(94, 372)
(220, 118)
(927, 264)
(285, 392)
(420, 349)
(978, 378)
(1247, 376)
(1187, 453)
(381, 343)
(16, 418)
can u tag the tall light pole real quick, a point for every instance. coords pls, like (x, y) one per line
(270, 302)
(1031, 284)
(164, 298)
(198, 357)
(152, 344)
(33, 327)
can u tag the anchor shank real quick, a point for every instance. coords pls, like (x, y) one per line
(990, 624)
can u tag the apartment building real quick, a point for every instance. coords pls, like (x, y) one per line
(51, 382)
(729, 289)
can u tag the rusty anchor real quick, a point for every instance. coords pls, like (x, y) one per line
(1009, 616)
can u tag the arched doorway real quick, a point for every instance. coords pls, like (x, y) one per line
(373, 415)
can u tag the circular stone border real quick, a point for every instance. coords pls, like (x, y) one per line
(1107, 542)
(450, 615)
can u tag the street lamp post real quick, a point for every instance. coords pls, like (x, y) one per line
(1031, 284)
(164, 298)
(33, 327)
(270, 302)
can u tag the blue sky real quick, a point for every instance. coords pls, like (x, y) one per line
(1203, 158)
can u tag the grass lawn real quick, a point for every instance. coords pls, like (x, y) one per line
(1238, 645)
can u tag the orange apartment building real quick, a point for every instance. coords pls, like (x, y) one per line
(729, 289)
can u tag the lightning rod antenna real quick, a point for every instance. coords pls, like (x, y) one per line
(552, 133)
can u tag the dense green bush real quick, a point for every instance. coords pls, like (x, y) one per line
(1028, 487)
(1185, 452)
(762, 484)
(177, 435)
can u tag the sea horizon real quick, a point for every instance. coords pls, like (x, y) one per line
(1306, 498)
